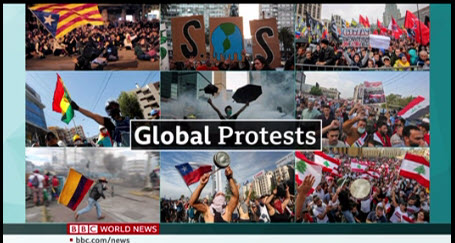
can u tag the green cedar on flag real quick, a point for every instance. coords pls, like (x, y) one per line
(417, 168)
(62, 101)
(305, 167)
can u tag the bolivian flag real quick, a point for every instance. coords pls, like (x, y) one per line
(74, 190)
(62, 101)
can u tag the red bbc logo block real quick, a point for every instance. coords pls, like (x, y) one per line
(82, 229)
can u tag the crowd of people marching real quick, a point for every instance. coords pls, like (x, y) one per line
(98, 44)
(402, 55)
(349, 124)
(392, 198)
(258, 63)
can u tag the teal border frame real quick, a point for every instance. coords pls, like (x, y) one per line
(440, 110)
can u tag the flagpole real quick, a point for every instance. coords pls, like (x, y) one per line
(420, 29)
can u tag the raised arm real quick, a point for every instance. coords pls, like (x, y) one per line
(286, 200)
(365, 58)
(98, 118)
(347, 57)
(214, 107)
(234, 189)
(302, 191)
(195, 196)
(242, 109)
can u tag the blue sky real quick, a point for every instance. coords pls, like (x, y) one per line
(90, 90)
(405, 83)
(244, 166)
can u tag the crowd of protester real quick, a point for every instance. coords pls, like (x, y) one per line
(272, 208)
(258, 63)
(98, 44)
(402, 55)
(349, 124)
(42, 188)
(392, 198)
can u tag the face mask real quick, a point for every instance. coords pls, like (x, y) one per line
(361, 130)
(414, 145)
(229, 113)
(114, 112)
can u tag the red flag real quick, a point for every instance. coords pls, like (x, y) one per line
(421, 32)
(362, 20)
(367, 22)
(396, 30)
(375, 32)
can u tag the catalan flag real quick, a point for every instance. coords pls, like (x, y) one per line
(59, 19)
(62, 101)
(74, 190)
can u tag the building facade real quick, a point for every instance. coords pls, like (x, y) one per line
(421, 14)
(284, 14)
(391, 10)
(313, 9)
(148, 98)
(35, 121)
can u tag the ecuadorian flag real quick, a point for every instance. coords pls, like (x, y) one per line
(62, 101)
(74, 190)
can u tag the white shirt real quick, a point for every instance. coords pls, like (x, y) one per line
(40, 179)
(397, 215)
(320, 193)
(365, 205)
(320, 210)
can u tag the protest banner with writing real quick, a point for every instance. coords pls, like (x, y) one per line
(379, 41)
(264, 33)
(188, 38)
(226, 38)
(373, 93)
(164, 55)
(355, 37)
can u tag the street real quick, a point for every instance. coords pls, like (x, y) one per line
(126, 205)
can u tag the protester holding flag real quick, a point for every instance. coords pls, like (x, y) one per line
(96, 193)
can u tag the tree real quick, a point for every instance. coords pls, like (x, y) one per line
(129, 106)
(396, 101)
(316, 91)
(286, 39)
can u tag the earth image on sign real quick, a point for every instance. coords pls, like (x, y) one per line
(227, 41)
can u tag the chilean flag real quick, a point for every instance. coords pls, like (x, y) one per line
(191, 172)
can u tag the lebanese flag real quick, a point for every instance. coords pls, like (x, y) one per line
(191, 172)
(358, 167)
(373, 174)
(328, 163)
(417, 168)
(406, 219)
(396, 30)
(362, 21)
(416, 108)
(305, 167)
(421, 31)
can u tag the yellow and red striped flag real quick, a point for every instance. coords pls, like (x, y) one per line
(74, 190)
(59, 19)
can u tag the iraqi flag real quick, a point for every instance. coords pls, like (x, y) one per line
(417, 108)
(358, 167)
(305, 167)
(417, 168)
(191, 172)
(328, 163)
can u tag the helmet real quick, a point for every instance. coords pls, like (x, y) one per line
(101, 127)
(111, 105)
(76, 137)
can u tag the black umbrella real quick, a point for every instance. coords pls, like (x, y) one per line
(210, 89)
(247, 93)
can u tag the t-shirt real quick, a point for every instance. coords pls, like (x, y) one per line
(412, 209)
(40, 179)
(374, 218)
(233, 117)
(365, 205)
(307, 114)
(325, 143)
(320, 210)
(397, 215)
(344, 201)
(396, 141)
(319, 193)
(264, 214)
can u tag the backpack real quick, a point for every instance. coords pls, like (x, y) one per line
(35, 181)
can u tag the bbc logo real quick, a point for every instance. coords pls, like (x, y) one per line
(83, 229)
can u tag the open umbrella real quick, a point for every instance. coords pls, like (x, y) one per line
(210, 89)
(247, 93)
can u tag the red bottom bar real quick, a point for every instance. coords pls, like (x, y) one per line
(112, 229)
